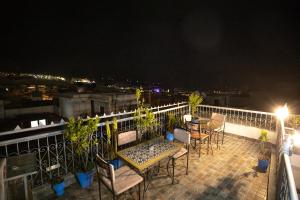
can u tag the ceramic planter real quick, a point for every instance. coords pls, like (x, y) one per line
(85, 179)
(59, 189)
(263, 165)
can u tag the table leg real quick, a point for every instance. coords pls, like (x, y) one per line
(25, 187)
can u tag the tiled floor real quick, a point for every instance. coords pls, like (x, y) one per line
(228, 174)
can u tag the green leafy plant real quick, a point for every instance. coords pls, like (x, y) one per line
(145, 119)
(263, 139)
(80, 133)
(295, 122)
(115, 134)
(195, 99)
(112, 137)
(171, 122)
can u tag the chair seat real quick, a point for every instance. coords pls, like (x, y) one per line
(199, 136)
(125, 178)
(182, 152)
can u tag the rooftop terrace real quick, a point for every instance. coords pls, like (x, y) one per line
(228, 174)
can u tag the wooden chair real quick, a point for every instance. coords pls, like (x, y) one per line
(183, 136)
(116, 181)
(200, 136)
(216, 126)
(126, 138)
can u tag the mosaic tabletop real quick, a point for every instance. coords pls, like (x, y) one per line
(148, 153)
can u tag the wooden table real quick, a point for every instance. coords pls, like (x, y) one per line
(199, 122)
(146, 155)
(149, 153)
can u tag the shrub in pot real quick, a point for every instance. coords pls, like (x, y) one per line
(144, 118)
(263, 159)
(170, 127)
(80, 133)
(112, 143)
(58, 185)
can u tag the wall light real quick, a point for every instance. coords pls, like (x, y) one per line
(282, 112)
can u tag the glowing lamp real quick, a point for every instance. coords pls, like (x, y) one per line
(296, 138)
(282, 112)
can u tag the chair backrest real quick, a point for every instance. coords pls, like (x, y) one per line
(104, 169)
(182, 135)
(187, 118)
(126, 137)
(217, 121)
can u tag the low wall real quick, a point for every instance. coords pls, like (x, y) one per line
(13, 112)
(247, 131)
(295, 162)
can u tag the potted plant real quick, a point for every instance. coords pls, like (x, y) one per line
(80, 133)
(58, 185)
(263, 159)
(112, 143)
(170, 126)
(195, 99)
(144, 118)
(295, 122)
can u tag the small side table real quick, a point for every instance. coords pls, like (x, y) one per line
(21, 166)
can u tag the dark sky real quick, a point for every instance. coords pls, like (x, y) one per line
(178, 43)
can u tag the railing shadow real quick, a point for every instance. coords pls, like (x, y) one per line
(228, 187)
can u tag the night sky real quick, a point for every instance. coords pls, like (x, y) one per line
(178, 43)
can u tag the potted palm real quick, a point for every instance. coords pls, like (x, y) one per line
(263, 159)
(58, 185)
(195, 99)
(80, 133)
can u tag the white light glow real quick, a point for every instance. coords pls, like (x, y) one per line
(296, 138)
(282, 112)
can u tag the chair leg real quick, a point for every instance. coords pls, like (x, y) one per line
(99, 187)
(139, 191)
(114, 196)
(187, 164)
(223, 138)
(207, 148)
(218, 141)
(200, 144)
(173, 177)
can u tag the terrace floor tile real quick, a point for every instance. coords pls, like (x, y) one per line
(230, 173)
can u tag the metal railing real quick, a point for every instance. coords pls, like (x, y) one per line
(286, 188)
(55, 155)
(263, 120)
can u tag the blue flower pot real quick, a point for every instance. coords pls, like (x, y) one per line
(170, 136)
(85, 179)
(59, 189)
(263, 165)
(117, 163)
